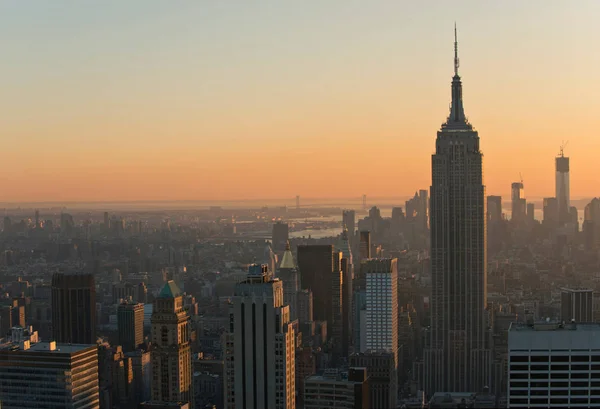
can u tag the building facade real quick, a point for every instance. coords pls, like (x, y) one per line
(337, 390)
(554, 365)
(130, 322)
(457, 357)
(577, 304)
(47, 375)
(260, 346)
(74, 308)
(171, 356)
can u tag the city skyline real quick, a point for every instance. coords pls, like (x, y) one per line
(122, 113)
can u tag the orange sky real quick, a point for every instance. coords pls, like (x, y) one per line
(222, 102)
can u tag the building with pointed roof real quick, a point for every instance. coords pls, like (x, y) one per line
(457, 355)
(288, 273)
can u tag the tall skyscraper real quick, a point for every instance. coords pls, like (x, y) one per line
(171, 356)
(291, 283)
(550, 217)
(518, 203)
(74, 308)
(280, 237)
(260, 348)
(494, 209)
(381, 319)
(347, 277)
(320, 272)
(457, 358)
(130, 322)
(562, 187)
(49, 375)
(349, 222)
(365, 245)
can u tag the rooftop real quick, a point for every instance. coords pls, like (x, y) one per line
(554, 326)
(170, 290)
(49, 347)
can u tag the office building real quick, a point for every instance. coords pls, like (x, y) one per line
(530, 212)
(280, 237)
(550, 216)
(518, 203)
(288, 273)
(171, 356)
(125, 291)
(365, 245)
(347, 266)
(563, 197)
(74, 308)
(130, 322)
(381, 319)
(577, 304)
(554, 365)
(260, 346)
(457, 357)
(320, 272)
(47, 375)
(305, 306)
(494, 209)
(382, 378)
(349, 222)
(337, 389)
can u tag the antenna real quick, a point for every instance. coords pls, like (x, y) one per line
(521, 177)
(456, 61)
(562, 148)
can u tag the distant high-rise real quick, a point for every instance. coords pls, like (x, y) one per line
(288, 273)
(577, 304)
(494, 209)
(349, 222)
(320, 272)
(347, 266)
(74, 308)
(49, 375)
(562, 187)
(280, 237)
(518, 203)
(260, 348)
(171, 355)
(335, 389)
(458, 358)
(130, 322)
(381, 321)
(365, 245)
(550, 217)
(531, 212)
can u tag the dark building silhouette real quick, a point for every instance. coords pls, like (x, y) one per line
(562, 187)
(349, 222)
(321, 272)
(74, 308)
(280, 237)
(577, 304)
(130, 321)
(550, 215)
(494, 209)
(458, 358)
(365, 245)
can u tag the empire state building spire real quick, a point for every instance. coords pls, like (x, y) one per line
(457, 113)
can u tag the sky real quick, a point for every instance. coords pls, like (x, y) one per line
(218, 100)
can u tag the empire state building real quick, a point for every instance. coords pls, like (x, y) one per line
(457, 357)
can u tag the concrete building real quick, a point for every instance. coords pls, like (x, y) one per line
(554, 365)
(47, 375)
(260, 346)
(577, 304)
(337, 390)
(130, 322)
(457, 357)
(74, 308)
(171, 356)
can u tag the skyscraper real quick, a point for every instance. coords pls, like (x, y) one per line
(518, 204)
(550, 217)
(291, 284)
(74, 308)
(562, 187)
(171, 356)
(280, 237)
(577, 304)
(349, 222)
(494, 209)
(130, 322)
(348, 276)
(261, 346)
(365, 245)
(457, 358)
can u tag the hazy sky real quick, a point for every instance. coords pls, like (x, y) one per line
(154, 99)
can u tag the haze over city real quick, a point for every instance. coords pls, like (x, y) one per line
(143, 100)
